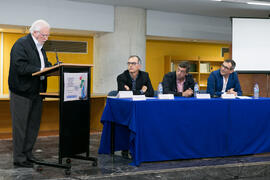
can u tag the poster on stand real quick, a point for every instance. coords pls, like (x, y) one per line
(75, 86)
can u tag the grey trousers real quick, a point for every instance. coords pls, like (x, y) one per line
(26, 117)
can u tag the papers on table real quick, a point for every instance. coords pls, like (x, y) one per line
(129, 94)
(150, 97)
(243, 97)
(231, 96)
(228, 96)
(138, 98)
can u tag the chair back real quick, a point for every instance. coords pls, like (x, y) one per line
(113, 93)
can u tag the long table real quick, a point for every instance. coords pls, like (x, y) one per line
(185, 128)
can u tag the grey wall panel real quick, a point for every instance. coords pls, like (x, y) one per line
(59, 13)
(177, 25)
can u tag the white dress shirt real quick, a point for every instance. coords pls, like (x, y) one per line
(39, 47)
(225, 82)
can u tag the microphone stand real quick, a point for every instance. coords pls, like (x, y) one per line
(57, 59)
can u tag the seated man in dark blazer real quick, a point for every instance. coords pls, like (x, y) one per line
(224, 80)
(133, 79)
(179, 82)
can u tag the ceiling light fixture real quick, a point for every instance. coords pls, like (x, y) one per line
(250, 2)
(259, 3)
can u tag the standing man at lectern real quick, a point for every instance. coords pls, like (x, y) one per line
(133, 79)
(224, 80)
(27, 56)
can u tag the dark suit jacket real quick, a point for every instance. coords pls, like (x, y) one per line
(169, 83)
(25, 60)
(215, 83)
(142, 80)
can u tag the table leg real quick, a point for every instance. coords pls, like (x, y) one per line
(112, 138)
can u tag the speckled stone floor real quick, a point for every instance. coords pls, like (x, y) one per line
(252, 167)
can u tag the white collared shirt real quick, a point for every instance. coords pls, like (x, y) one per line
(224, 84)
(39, 47)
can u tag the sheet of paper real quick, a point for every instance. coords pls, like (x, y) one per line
(243, 97)
(75, 86)
(138, 98)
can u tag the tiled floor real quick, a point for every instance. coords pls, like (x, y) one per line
(252, 167)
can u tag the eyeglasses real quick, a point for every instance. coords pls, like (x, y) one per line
(132, 63)
(43, 35)
(225, 67)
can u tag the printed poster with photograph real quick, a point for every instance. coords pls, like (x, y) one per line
(75, 86)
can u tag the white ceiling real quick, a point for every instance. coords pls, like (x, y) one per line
(195, 7)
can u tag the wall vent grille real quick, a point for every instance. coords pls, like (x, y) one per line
(66, 46)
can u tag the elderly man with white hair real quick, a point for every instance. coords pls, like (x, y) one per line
(27, 56)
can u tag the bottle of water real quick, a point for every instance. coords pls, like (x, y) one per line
(256, 91)
(160, 88)
(196, 89)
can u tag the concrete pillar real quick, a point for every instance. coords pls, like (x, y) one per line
(111, 50)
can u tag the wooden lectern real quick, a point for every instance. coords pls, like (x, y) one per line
(74, 112)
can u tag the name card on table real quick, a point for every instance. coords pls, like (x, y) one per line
(125, 94)
(165, 96)
(228, 96)
(203, 96)
(138, 98)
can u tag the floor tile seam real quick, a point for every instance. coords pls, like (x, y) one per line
(53, 136)
(243, 164)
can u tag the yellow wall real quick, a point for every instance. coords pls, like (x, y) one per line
(156, 50)
(10, 38)
(0, 57)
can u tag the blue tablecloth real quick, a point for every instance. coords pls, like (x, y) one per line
(184, 128)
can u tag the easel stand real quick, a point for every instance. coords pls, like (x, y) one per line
(74, 120)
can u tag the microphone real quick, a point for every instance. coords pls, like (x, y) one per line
(57, 59)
